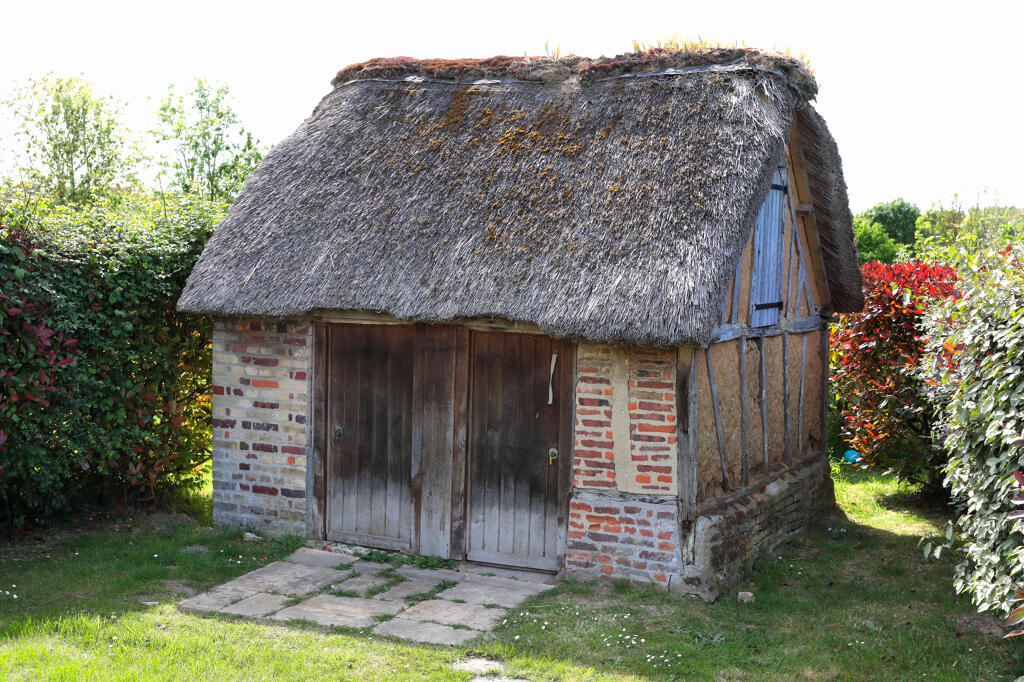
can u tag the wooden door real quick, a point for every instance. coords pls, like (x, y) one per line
(519, 454)
(369, 435)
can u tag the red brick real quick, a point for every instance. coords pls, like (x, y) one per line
(264, 383)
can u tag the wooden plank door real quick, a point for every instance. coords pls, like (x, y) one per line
(519, 454)
(369, 435)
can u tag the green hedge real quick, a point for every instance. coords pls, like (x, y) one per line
(976, 371)
(104, 389)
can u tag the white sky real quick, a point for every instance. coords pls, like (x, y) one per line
(924, 98)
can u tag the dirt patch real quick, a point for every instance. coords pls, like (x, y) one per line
(986, 624)
(178, 587)
(161, 521)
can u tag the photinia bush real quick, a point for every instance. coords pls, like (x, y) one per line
(974, 373)
(874, 357)
(127, 387)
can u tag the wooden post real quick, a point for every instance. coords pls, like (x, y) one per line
(686, 431)
(722, 456)
(316, 489)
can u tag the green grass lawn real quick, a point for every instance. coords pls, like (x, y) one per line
(851, 600)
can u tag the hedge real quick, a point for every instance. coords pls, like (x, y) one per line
(975, 370)
(104, 388)
(874, 357)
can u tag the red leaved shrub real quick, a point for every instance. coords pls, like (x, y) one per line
(874, 353)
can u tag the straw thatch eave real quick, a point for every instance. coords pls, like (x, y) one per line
(611, 209)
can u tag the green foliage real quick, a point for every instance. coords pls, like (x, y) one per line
(978, 227)
(873, 243)
(74, 146)
(874, 356)
(897, 218)
(976, 373)
(134, 414)
(212, 154)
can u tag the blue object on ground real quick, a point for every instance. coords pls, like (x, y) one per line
(851, 456)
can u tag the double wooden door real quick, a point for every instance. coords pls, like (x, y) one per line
(441, 440)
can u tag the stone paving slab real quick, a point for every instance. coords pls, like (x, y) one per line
(216, 599)
(435, 574)
(485, 590)
(510, 573)
(285, 578)
(430, 633)
(406, 589)
(370, 567)
(350, 612)
(361, 584)
(257, 606)
(320, 558)
(451, 613)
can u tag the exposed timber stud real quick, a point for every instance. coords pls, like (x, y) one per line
(800, 411)
(722, 456)
(763, 400)
(686, 430)
(744, 415)
(787, 449)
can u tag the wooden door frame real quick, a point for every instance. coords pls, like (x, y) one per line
(316, 461)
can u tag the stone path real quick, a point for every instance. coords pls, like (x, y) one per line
(336, 589)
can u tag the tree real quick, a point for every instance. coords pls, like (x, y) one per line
(212, 153)
(873, 243)
(979, 227)
(74, 146)
(897, 217)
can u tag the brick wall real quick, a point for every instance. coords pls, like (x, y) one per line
(261, 378)
(622, 538)
(625, 437)
(625, 446)
(652, 421)
(593, 461)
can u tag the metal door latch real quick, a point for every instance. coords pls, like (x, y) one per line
(552, 455)
(338, 431)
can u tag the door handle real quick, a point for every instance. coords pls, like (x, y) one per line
(338, 431)
(551, 379)
(552, 456)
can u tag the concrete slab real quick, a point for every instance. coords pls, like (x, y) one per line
(500, 591)
(449, 613)
(430, 633)
(406, 589)
(361, 584)
(215, 599)
(257, 606)
(285, 578)
(317, 557)
(436, 574)
(339, 611)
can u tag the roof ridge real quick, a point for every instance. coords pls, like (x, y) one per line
(656, 61)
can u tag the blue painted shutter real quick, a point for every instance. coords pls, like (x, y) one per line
(766, 285)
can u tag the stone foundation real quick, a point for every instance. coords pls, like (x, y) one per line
(725, 540)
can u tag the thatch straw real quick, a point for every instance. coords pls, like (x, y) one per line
(613, 211)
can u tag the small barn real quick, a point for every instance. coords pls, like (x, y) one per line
(567, 315)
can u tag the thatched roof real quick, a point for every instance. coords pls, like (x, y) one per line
(606, 200)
